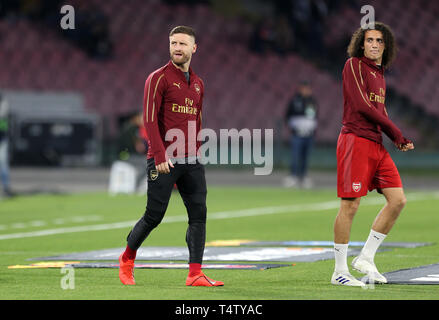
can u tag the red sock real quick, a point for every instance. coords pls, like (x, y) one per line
(194, 269)
(129, 254)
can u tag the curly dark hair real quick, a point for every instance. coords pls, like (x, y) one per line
(356, 46)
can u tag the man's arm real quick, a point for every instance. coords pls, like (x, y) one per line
(354, 84)
(152, 101)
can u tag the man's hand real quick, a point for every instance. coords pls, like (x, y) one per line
(164, 167)
(406, 146)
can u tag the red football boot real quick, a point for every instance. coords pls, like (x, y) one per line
(200, 280)
(126, 270)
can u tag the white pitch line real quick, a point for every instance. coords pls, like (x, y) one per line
(322, 206)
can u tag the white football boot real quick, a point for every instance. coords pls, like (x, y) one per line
(366, 266)
(346, 279)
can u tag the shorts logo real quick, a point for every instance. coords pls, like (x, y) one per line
(153, 174)
(356, 186)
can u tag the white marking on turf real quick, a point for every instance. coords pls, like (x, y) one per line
(322, 206)
(58, 221)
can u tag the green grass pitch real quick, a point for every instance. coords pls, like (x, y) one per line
(418, 222)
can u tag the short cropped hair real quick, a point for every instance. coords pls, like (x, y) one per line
(357, 42)
(183, 29)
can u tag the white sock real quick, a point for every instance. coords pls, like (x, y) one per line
(341, 257)
(372, 244)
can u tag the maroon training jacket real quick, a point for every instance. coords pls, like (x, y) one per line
(364, 94)
(170, 103)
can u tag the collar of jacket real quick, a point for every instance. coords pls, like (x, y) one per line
(372, 64)
(179, 72)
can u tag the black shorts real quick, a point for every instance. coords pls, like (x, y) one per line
(191, 184)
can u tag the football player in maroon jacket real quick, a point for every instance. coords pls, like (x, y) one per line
(363, 164)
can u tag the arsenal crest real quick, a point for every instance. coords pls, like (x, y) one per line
(197, 88)
(356, 186)
(153, 174)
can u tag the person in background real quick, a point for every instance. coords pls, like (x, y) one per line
(4, 160)
(133, 146)
(301, 119)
